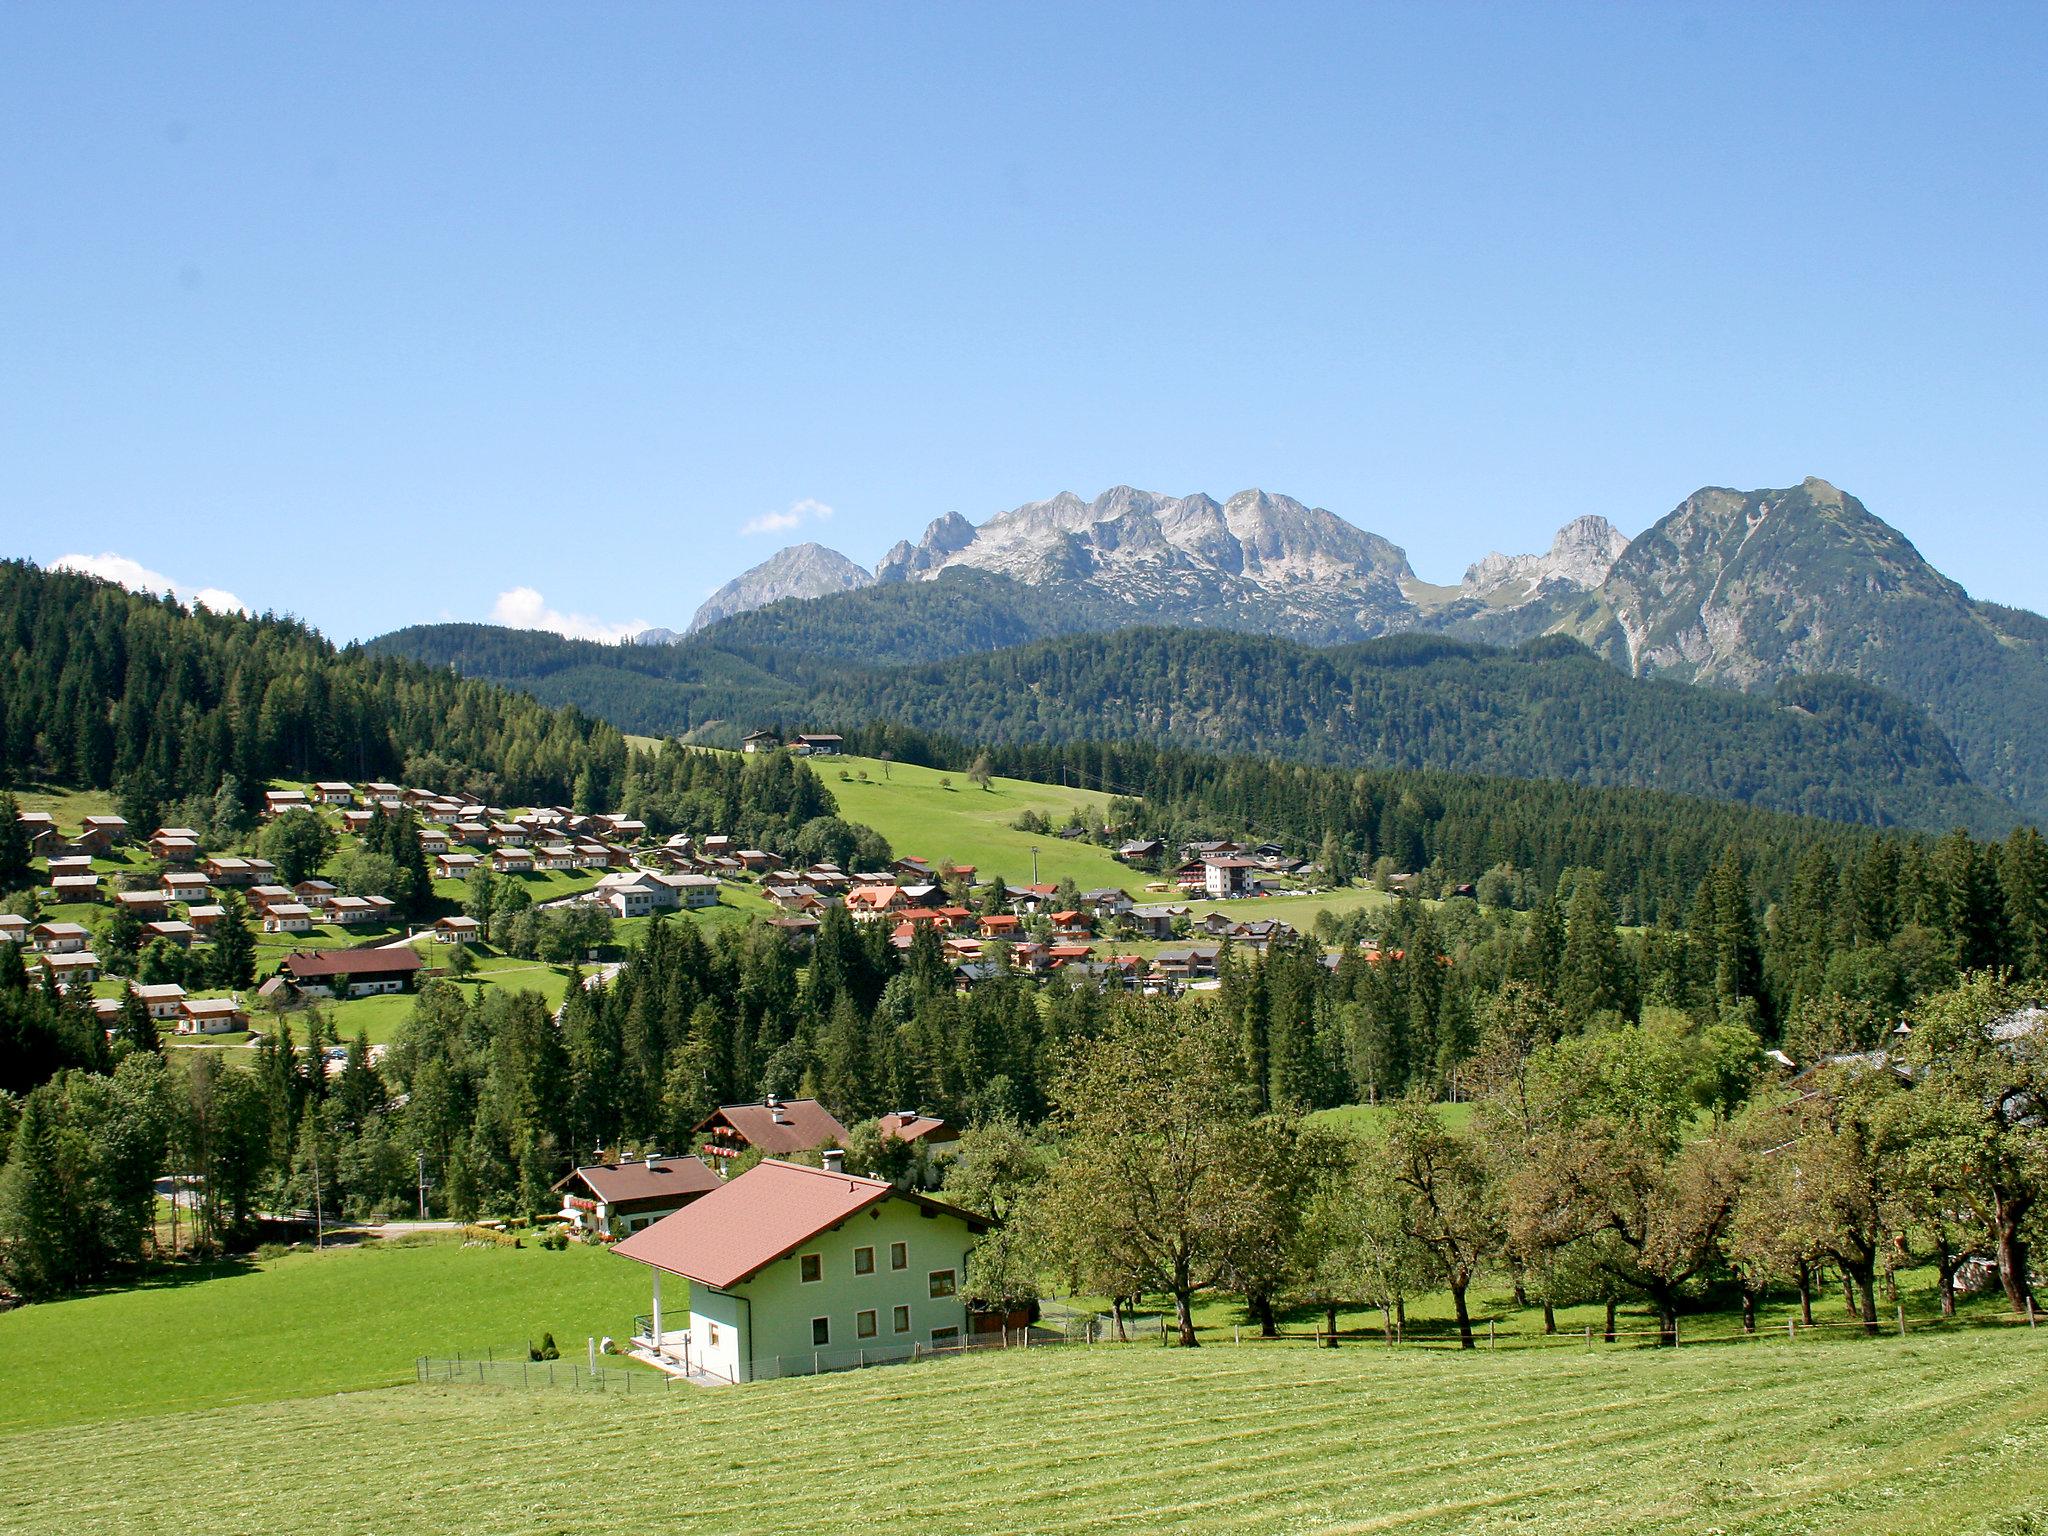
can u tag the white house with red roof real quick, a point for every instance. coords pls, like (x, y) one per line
(795, 1270)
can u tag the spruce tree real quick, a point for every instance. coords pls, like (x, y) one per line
(14, 849)
(39, 1221)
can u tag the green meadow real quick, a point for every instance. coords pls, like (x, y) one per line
(1945, 1434)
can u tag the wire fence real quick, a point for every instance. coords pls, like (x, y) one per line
(1063, 1327)
(539, 1375)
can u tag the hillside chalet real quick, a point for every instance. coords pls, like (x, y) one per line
(794, 1270)
(615, 1199)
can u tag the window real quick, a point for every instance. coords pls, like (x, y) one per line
(714, 1334)
(899, 1255)
(900, 1320)
(863, 1261)
(811, 1267)
(821, 1332)
(945, 1335)
(942, 1282)
(864, 1325)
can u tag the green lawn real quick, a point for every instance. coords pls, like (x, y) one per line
(969, 825)
(1943, 1435)
(69, 806)
(1367, 1119)
(333, 1321)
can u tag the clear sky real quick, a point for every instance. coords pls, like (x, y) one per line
(377, 314)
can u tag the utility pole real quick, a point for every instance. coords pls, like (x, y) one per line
(1034, 863)
(319, 1219)
(423, 1186)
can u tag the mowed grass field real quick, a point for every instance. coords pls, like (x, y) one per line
(970, 825)
(1944, 1435)
(308, 1322)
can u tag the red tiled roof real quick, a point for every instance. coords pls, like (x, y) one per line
(766, 1213)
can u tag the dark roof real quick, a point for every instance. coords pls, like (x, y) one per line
(805, 1123)
(666, 1178)
(307, 964)
(742, 1227)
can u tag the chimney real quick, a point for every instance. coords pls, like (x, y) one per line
(835, 1160)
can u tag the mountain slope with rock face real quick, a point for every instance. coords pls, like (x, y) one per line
(1745, 588)
(1580, 557)
(1257, 561)
(802, 570)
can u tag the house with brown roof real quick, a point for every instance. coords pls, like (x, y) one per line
(174, 845)
(457, 930)
(776, 1127)
(616, 1199)
(795, 1270)
(211, 1016)
(163, 1001)
(361, 972)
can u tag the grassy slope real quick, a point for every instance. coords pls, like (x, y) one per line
(970, 825)
(1932, 1435)
(308, 1322)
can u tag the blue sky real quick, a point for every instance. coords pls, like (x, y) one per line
(378, 313)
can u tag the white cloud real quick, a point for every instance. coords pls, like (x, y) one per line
(137, 577)
(525, 608)
(809, 509)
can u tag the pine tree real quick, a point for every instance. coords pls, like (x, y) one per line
(39, 1219)
(14, 849)
(1590, 973)
(2023, 871)
(234, 946)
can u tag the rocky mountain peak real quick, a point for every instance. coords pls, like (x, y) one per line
(802, 570)
(1579, 558)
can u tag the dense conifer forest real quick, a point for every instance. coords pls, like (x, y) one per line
(105, 688)
(1818, 746)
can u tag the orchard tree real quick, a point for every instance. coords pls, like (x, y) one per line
(1156, 1121)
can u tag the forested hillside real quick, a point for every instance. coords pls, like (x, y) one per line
(103, 688)
(1550, 710)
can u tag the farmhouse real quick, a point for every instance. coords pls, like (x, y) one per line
(287, 917)
(354, 972)
(277, 801)
(638, 892)
(79, 967)
(211, 1016)
(457, 930)
(174, 845)
(909, 1125)
(1155, 922)
(614, 1199)
(163, 1002)
(775, 1126)
(760, 741)
(144, 906)
(795, 1269)
(819, 743)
